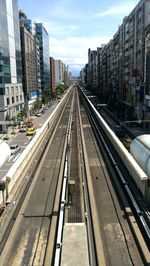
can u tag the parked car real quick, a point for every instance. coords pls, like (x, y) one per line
(31, 131)
(38, 114)
(14, 148)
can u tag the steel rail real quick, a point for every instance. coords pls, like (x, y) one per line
(58, 250)
(145, 212)
(136, 207)
(96, 252)
(90, 233)
(23, 192)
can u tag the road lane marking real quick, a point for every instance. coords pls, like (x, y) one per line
(16, 157)
(20, 140)
(29, 137)
(10, 157)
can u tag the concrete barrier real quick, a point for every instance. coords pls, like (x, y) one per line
(20, 168)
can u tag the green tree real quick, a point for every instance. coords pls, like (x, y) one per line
(46, 99)
(61, 88)
(38, 105)
(22, 114)
(7, 117)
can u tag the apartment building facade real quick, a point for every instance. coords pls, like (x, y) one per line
(59, 72)
(123, 65)
(52, 74)
(67, 76)
(30, 61)
(11, 92)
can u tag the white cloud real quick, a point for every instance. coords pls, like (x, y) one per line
(73, 51)
(63, 10)
(55, 28)
(123, 9)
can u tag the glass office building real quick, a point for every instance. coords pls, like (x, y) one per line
(11, 95)
(43, 37)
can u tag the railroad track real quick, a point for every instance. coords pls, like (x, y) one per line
(70, 189)
(119, 172)
(27, 241)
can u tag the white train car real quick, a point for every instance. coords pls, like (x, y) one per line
(5, 152)
(140, 150)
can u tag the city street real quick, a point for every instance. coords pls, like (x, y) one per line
(23, 140)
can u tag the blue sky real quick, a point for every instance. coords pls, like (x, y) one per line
(76, 25)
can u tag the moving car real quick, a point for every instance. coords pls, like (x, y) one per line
(38, 114)
(29, 123)
(14, 148)
(31, 131)
(23, 128)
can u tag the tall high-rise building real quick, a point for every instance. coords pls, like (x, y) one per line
(62, 74)
(59, 72)
(30, 60)
(123, 66)
(11, 93)
(43, 37)
(52, 74)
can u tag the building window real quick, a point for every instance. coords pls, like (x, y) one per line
(2, 91)
(12, 99)
(20, 97)
(17, 98)
(17, 108)
(7, 101)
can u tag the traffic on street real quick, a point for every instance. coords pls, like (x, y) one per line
(21, 139)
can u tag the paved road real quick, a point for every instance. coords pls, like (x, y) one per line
(23, 140)
(39, 209)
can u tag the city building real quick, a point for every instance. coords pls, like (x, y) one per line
(59, 72)
(52, 74)
(30, 62)
(119, 70)
(92, 57)
(62, 74)
(70, 77)
(82, 76)
(67, 76)
(43, 38)
(11, 92)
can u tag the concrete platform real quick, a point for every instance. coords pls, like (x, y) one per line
(74, 245)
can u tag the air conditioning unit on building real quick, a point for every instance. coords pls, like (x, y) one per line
(137, 88)
(148, 103)
(147, 97)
